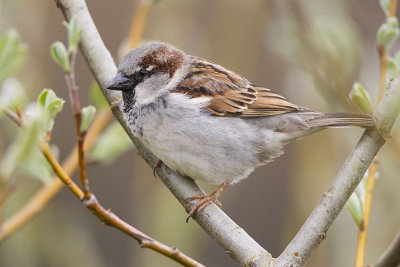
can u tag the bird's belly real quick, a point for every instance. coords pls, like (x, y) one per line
(211, 162)
(208, 148)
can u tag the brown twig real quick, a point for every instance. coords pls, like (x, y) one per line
(392, 9)
(42, 197)
(362, 234)
(82, 165)
(14, 117)
(110, 219)
(383, 63)
(80, 136)
(60, 171)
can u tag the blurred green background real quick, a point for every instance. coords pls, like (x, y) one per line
(310, 51)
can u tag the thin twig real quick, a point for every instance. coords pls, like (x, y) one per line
(82, 165)
(42, 197)
(362, 234)
(392, 9)
(72, 86)
(109, 218)
(80, 136)
(14, 117)
(391, 256)
(383, 62)
(60, 172)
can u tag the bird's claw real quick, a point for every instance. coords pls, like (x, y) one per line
(204, 201)
(156, 165)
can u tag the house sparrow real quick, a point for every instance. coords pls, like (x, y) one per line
(207, 122)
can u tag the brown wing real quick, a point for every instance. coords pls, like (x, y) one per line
(231, 94)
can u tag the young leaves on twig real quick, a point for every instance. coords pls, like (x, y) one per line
(58, 50)
(388, 32)
(60, 55)
(74, 33)
(360, 98)
(393, 66)
(51, 105)
(356, 202)
(87, 117)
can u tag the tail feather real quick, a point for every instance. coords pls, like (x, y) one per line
(340, 120)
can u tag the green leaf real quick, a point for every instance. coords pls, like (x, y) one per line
(388, 32)
(60, 55)
(50, 102)
(396, 58)
(393, 68)
(355, 208)
(74, 33)
(12, 54)
(356, 202)
(97, 97)
(51, 105)
(111, 144)
(360, 98)
(385, 5)
(87, 115)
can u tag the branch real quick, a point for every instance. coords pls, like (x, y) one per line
(314, 229)
(110, 219)
(213, 220)
(391, 256)
(40, 199)
(362, 234)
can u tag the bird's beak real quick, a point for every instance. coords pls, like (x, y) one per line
(120, 83)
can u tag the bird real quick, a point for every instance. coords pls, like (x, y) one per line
(207, 122)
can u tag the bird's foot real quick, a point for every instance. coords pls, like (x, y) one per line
(157, 165)
(205, 200)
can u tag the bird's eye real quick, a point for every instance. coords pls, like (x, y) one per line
(143, 72)
(138, 76)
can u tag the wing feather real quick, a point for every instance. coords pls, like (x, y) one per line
(230, 94)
